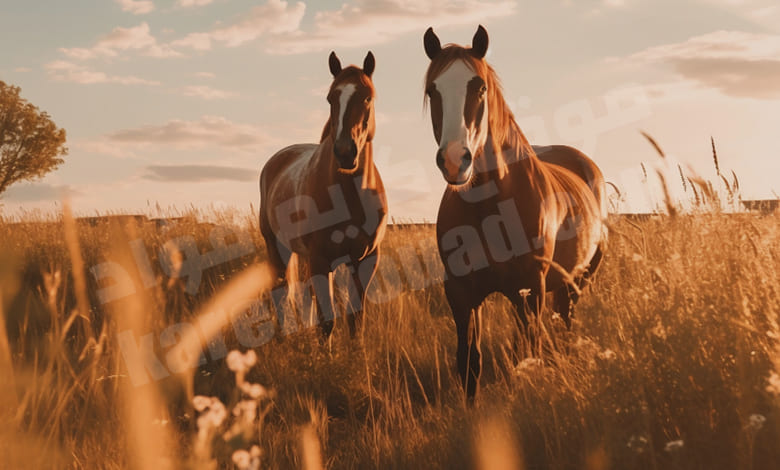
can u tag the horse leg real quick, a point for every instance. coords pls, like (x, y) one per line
(362, 274)
(469, 328)
(468, 324)
(322, 284)
(565, 297)
(278, 260)
(563, 301)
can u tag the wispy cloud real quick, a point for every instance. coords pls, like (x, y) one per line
(364, 22)
(136, 7)
(274, 17)
(735, 63)
(205, 132)
(193, 3)
(136, 39)
(64, 71)
(198, 173)
(206, 92)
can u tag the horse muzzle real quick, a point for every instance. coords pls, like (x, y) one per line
(457, 169)
(346, 152)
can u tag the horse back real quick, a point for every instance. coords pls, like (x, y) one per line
(580, 165)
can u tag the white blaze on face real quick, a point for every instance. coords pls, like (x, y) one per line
(452, 85)
(346, 93)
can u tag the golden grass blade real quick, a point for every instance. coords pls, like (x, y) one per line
(230, 300)
(77, 261)
(8, 398)
(654, 143)
(310, 448)
(149, 444)
(494, 447)
(671, 209)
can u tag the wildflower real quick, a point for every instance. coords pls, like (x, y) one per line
(674, 446)
(201, 403)
(756, 422)
(242, 459)
(774, 384)
(529, 363)
(638, 444)
(213, 412)
(247, 460)
(607, 354)
(253, 390)
(241, 363)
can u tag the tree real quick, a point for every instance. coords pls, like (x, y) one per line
(30, 142)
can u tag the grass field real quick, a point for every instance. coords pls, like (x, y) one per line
(672, 361)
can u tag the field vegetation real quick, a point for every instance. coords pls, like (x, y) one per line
(672, 361)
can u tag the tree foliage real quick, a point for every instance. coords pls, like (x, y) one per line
(30, 142)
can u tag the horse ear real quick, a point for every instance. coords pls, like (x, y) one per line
(335, 64)
(431, 43)
(479, 44)
(368, 64)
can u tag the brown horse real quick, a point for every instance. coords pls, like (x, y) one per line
(514, 219)
(325, 202)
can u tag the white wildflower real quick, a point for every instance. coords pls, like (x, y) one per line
(241, 363)
(253, 390)
(200, 402)
(638, 444)
(607, 354)
(674, 446)
(756, 422)
(242, 459)
(774, 383)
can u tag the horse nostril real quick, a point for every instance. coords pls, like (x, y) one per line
(353, 149)
(466, 160)
(440, 159)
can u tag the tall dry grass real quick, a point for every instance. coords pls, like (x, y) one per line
(673, 361)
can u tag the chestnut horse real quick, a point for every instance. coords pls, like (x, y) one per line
(325, 202)
(514, 219)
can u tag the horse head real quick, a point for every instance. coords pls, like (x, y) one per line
(457, 84)
(352, 122)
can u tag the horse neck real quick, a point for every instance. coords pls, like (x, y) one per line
(508, 157)
(326, 167)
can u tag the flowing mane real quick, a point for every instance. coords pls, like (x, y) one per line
(504, 131)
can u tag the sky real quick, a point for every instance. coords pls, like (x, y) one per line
(179, 103)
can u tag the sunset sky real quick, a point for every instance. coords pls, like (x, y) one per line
(181, 102)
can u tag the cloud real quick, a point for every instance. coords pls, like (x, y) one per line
(33, 192)
(136, 7)
(136, 39)
(365, 22)
(275, 17)
(193, 3)
(198, 173)
(207, 131)
(206, 92)
(207, 75)
(22, 69)
(64, 71)
(740, 64)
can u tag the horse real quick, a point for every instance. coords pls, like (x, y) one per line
(325, 203)
(515, 219)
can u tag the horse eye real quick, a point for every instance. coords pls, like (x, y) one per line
(368, 99)
(482, 90)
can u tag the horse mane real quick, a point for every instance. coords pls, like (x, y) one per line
(351, 74)
(504, 130)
